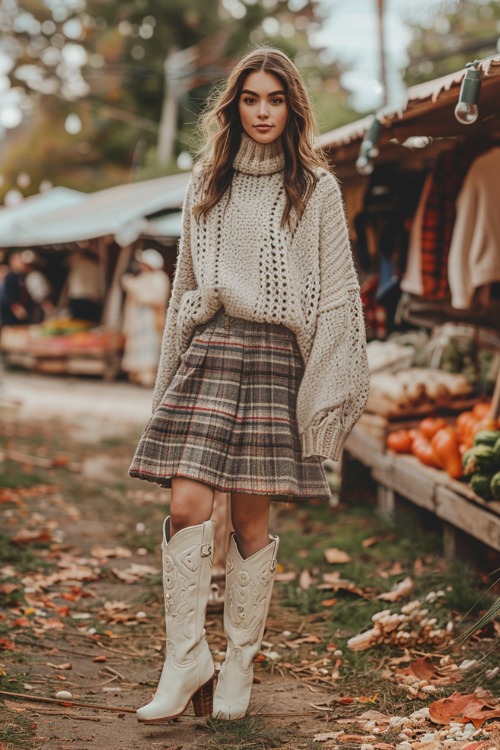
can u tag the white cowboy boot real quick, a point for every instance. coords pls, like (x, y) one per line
(249, 585)
(188, 671)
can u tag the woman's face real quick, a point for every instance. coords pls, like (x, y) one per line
(263, 107)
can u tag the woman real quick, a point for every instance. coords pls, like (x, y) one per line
(263, 370)
(146, 298)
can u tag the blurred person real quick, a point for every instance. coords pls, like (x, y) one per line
(263, 370)
(17, 307)
(146, 298)
(84, 286)
(41, 291)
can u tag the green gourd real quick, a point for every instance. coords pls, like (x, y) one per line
(479, 460)
(487, 437)
(481, 484)
(496, 452)
(495, 486)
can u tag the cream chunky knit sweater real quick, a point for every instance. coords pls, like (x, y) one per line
(240, 257)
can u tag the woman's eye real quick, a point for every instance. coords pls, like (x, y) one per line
(248, 100)
(277, 100)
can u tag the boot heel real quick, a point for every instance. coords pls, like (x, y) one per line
(203, 700)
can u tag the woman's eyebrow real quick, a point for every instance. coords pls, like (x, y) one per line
(252, 93)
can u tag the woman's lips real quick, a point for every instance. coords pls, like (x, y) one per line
(263, 127)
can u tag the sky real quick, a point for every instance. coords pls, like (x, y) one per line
(351, 35)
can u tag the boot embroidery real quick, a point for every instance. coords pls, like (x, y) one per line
(247, 597)
(173, 586)
(191, 558)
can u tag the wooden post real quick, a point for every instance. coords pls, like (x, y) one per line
(495, 402)
(169, 110)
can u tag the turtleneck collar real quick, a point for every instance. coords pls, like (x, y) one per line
(259, 158)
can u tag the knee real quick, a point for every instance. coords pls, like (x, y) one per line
(189, 506)
(250, 538)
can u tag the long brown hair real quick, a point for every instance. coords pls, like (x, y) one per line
(222, 127)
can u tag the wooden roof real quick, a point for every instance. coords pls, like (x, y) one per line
(427, 111)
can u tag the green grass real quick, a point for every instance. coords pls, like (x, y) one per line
(23, 558)
(15, 731)
(250, 733)
(14, 477)
(372, 569)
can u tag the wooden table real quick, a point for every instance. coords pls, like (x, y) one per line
(452, 501)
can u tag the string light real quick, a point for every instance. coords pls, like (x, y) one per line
(466, 110)
(369, 149)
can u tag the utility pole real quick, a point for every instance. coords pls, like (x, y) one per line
(185, 70)
(168, 122)
(381, 41)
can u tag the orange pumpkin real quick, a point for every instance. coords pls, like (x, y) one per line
(446, 448)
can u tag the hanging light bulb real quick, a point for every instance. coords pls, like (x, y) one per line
(369, 149)
(466, 110)
(364, 165)
(371, 138)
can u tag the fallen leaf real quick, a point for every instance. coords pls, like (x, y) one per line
(313, 638)
(22, 622)
(371, 540)
(8, 588)
(399, 591)
(396, 569)
(373, 715)
(104, 552)
(6, 645)
(425, 669)
(462, 709)
(24, 536)
(305, 580)
(134, 572)
(334, 582)
(335, 555)
(49, 623)
(66, 665)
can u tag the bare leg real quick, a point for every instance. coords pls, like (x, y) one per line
(221, 514)
(190, 504)
(251, 565)
(250, 517)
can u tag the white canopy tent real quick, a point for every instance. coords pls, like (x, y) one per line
(119, 212)
(33, 209)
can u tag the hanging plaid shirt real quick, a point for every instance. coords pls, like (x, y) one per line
(439, 216)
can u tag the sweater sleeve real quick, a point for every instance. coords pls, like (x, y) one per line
(334, 389)
(184, 281)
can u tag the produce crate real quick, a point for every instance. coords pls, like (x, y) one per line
(399, 475)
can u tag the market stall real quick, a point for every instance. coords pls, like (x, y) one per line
(102, 231)
(420, 189)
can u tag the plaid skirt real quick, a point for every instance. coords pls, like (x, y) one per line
(228, 417)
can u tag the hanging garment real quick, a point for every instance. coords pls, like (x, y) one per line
(439, 213)
(474, 257)
(412, 279)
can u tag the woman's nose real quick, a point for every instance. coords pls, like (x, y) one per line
(263, 110)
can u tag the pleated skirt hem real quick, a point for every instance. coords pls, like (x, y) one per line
(228, 418)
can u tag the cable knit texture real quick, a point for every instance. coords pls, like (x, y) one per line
(240, 257)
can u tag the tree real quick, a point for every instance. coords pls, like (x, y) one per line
(464, 32)
(90, 75)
